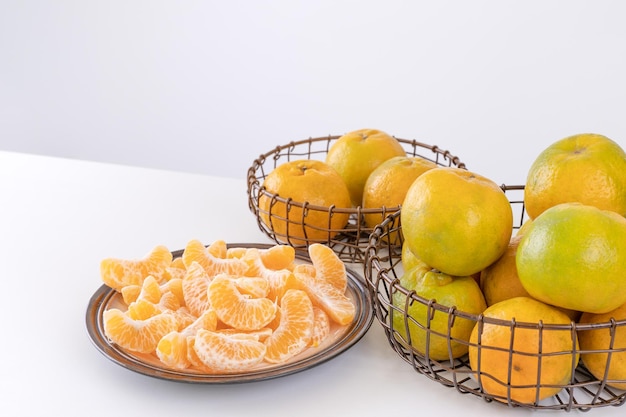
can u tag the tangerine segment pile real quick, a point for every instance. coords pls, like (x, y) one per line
(219, 310)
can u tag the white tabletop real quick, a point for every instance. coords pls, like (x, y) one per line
(60, 217)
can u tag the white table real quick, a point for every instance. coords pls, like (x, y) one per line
(60, 217)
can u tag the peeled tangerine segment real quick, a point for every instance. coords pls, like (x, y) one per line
(276, 279)
(321, 327)
(137, 335)
(278, 257)
(329, 267)
(295, 329)
(256, 287)
(236, 309)
(194, 286)
(172, 350)
(118, 273)
(329, 298)
(212, 264)
(222, 352)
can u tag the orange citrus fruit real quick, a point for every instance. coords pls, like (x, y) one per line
(585, 168)
(261, 334)
(183, 316)
(195, 289)
(256, 287)
(408, 258)
(169, 302)
(597, 343)
(574, 256)
(456, 221)
(193, 359)
(137, 335)
(142, 310)
(130, 293)
(387, 185)
(278, 257)
(276, 279)
(499, 281)
(325, 281)
(323, 294)
(150, 290)
(321, 327)
(172, 350)
(294, 332)
(430, 332)
(207, 321)
(328, 266)
(175, 286)
(117, 273)
(304, 181)
(176, 269)
(237, 310)
(209, 258)
(356, 154)
(223, 352)
(521, 361)
(218, 248)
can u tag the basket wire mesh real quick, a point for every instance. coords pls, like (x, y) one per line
(383, 270)
(349, 242)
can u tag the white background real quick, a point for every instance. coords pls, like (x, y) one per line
(206, 86)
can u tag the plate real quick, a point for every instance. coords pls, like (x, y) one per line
(340, 339)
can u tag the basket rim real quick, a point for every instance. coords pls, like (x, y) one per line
(256, 188)
(414, 142)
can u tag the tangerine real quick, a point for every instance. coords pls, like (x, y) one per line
(388, 184)
(499, 281)
(303, 183)
(516, 357)
(456, 221)
(430, 331)
(574, 256)
(585, 168)
(409, 260)
(356, 154)
(608, 336)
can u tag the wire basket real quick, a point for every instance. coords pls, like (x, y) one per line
(349, 242)
(383, 270)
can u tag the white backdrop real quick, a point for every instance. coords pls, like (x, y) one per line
(206, 86)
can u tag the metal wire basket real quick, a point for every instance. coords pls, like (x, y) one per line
(383, 269)
(350, 242)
